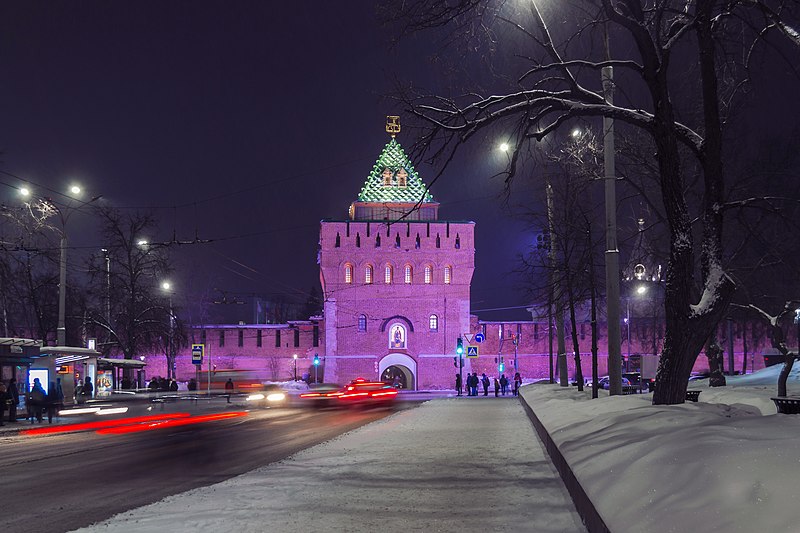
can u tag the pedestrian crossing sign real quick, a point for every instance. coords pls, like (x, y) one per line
(472, 351)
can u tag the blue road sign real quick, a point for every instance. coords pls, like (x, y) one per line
(480, 337)
(472, 351)
(197, 353)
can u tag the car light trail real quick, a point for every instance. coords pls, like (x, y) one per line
(161, 424)
(86, 426)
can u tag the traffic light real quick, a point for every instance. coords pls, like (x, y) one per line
(455, 362)
(501, 367)
(459, 346)
(316, 359)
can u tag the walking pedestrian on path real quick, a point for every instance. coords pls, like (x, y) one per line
(458, 384)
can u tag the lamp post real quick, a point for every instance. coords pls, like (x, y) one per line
(166, 287)
(295, 367)
(63, 215)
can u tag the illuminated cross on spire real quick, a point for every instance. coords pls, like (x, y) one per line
(392, 125)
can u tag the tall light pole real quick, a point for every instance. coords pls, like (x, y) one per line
(63, 215)
(167, 287)
(612, 252)
(295, 367)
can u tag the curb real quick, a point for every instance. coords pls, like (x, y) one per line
(591, 518)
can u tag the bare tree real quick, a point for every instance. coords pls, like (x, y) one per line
(561, 82)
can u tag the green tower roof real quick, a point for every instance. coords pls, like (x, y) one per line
(393, 179)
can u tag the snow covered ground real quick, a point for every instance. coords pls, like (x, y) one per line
(465, 464)
(727, 463)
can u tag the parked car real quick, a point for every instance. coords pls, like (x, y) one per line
(635, 377)
(605, 383)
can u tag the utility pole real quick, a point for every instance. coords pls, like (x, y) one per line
(612, 252)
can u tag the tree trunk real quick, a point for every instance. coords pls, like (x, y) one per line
(574, 332)
(714, 355)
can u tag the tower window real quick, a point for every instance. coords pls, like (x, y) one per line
(458, 242)
(348, 273)
(438, 241)
(277, 338)
(377, 241)
(222, 337)
(297, 338)
(416, 244)
(316, 336)
(358, 240)
(433, 323)
(241, 338)
(397, 241)
(362, 322)
(338, 241)
(447, 274)
(407, 274)
(368, 274)
(428, 274)
(387, 278)
(402, 177)
(258, 338)
(387, 177)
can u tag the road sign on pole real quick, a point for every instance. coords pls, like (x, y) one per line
(468, 337)
(472, 351)
(197, 354)
(480, 337)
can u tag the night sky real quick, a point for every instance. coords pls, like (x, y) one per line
(245, 122)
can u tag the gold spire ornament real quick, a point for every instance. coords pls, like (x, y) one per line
(392, 125)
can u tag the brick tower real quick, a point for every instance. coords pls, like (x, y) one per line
(396, 280)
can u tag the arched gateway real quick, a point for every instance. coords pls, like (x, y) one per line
(401, 366)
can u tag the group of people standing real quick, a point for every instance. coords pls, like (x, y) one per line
(38, 401)
(473, 382)
(9, 399)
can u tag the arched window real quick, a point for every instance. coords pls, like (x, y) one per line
(433, 323)
(387, 177)
(416, 244)
(348, 273)
(428, 274)
(368, 274)
(362, 322)
(397, 241)
(438, 241)
(402, 176)
(387, 277)
(407, 274)
(448, 272)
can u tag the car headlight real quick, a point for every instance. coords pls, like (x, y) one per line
(275, 397)
(255, 397)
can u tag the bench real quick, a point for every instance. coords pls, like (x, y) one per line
(786, 405)
(692, 395)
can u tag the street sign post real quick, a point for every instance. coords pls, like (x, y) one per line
(472, 351)
(197, 354)
(480, 337)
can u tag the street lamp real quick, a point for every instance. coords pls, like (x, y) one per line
(166, 287)
(295, 367)
(63, 215)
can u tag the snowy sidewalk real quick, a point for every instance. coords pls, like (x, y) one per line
(449, 465)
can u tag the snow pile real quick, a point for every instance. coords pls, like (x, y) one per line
(726, 463)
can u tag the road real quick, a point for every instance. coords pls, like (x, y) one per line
(61, 482)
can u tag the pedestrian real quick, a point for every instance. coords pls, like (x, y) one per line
(192, 385)
(37, 400)
(517, 383)
(485, 383)
(13, 397)
(173, 386)
(496, 387)
(88, 389)
(3, 401)
(55, 400)
(458, 384)
(228, 389)
(503, 384)
(472, 384)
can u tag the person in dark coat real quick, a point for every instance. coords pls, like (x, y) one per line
(496, 387)
(485, 383)
(37, 400)
(517, 383)
(55, 400)
(88, 388)
(228, 389)
(173, 385)
(3, 401)
(503, 384)
(458, 384)
(474, 385)
(13, 395)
